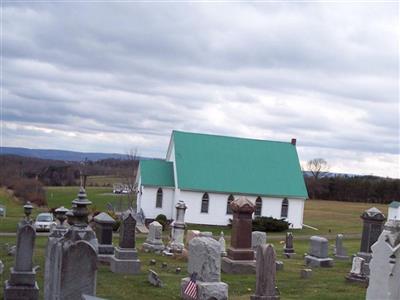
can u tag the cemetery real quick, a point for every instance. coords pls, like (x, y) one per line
(229, 263)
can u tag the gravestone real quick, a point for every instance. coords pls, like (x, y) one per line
(318, 253)
(222, 244)
(191, 234)
(279, 265)
(125, 259)
(3, 211)
(104, 232)
(356, 273)
(22, 283)
(288, 250)
(266, 274)
(258, 238)
(178, 229)
(340, 250)
(305, 273)
(154, 279)
(205, 260)
(74, 267)
(1, 267)
(154, 242)
(52, 256)
(240, 255)
(385, 264)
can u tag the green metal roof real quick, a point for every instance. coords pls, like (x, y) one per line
(237, 165)
(394, 204)
(156, 172)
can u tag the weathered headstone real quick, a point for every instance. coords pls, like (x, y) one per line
(125, 259)
(1, 267)
(240, 255)
(178, 229)
(266, 274)
(52, 257)
(22, 283)
(74, 267)
(288, 250)
(258, 238)
(154, 241)
(279, 265)
(104, 232)
(222, 244)
(154, 279)
(340, 250)
(385, 264)
(318, 253)
(357, 271)
(205, 260)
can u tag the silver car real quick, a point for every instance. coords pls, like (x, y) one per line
(44, 222)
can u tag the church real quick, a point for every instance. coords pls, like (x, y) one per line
(208, 172)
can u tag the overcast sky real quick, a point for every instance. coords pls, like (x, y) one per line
(113, 77)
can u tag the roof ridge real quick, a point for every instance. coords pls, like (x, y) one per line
(228, 136)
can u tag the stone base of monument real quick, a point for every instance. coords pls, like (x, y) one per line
(342, 257)
(17, 292)
(289, 252)
(153, 247)
(367, 257)
(231, 266)
(125, 261)
(312, 261)
(207, 290)
(104, 259)
(354, 278)
(106, 249)
(255, 297)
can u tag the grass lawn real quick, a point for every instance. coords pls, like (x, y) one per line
(324, 284)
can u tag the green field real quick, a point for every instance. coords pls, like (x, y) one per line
(330, 217)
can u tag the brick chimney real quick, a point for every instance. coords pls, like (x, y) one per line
(293, 142)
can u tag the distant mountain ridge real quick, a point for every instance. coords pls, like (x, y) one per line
(61, 154)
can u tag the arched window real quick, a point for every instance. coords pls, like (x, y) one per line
(228, 205)
(204, 203)
(159, 198)
(258, 207)
(285, 208)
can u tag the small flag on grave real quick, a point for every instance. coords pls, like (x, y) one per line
(191, 287)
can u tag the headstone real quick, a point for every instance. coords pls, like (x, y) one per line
(279, 265)
(125, 259)
(104, 232)
(178, 270)
(73, 263)
(154, 241)
(205, 260)
(154, 279)
(240, 255)
(385, 264)
(22, 283)
(222, 244)
(178, 229)
(305, 273)
(52, 256)
(258, 238)
(152, 262)
(164, 265)
(357, 271)
(318, 253)
(3, 211)
(340, 250)
(265, 274)
(1, 267)
(288, 250)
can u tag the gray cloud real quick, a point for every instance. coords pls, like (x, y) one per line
(82, 75)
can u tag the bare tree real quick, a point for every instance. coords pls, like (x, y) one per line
(130, 173)
(317, 167)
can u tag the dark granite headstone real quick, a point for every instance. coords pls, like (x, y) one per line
(127, 231)
(104, 232)
(373, 220)
(289, 249)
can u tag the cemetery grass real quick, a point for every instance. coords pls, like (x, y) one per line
(325, 283)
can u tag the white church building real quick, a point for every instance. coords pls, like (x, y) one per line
(207, 172)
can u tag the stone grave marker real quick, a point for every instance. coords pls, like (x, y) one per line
(288, 250)
(258, 238)
(178, 229)
(205, 260)
(356, 273)
(305, 273)
(22, 283)
(340, 250)
(266, 274)
(240, 255)
(125, 259)
(222, 243)
(318, 253)
(385, 264)
(104, 232)
(154, 241)
(154, 279)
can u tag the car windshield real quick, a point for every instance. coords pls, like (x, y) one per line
(44, 218)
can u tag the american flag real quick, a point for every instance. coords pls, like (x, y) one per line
(191, 287)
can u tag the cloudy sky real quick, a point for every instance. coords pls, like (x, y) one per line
(110, 77)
